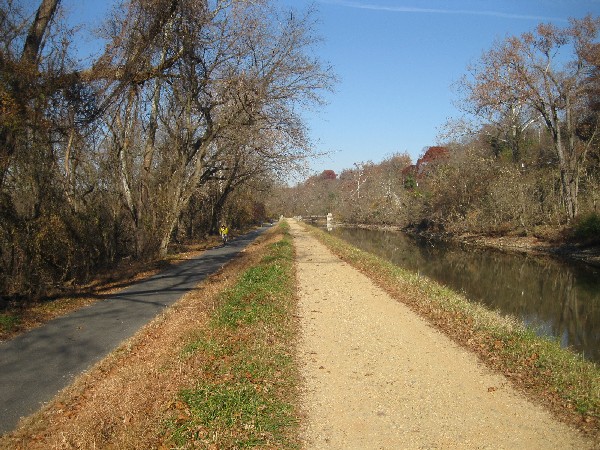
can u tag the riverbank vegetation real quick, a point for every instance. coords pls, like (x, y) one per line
(524, 161)
(560, 379)
(181, 121)
(216, 370)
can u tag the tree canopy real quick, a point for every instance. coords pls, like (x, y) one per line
(191, 104)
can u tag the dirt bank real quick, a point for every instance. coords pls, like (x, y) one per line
(534, 246)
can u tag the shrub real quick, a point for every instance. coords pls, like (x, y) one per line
(587, 228)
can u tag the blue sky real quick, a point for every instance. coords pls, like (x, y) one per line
(396, 61)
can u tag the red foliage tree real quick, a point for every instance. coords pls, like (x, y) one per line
(433, 154)
(328, 175)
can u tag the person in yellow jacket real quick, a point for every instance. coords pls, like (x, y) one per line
(224, 232)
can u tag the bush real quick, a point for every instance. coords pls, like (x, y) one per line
(587, 229)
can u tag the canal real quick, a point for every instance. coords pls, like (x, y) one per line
(557, 299)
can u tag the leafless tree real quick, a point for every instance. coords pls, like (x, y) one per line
(218, 81)
(541, 74)
(102, 161)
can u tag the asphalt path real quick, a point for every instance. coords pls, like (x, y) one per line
(36, 365)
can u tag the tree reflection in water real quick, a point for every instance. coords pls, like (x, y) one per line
(557, 299)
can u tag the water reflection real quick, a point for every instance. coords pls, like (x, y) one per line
(557, 299)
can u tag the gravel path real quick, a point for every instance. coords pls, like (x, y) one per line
(378, 377)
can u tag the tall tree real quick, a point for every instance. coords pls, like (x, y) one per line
(101, 161)
(542, 74)
(201, 76)
(19, 73)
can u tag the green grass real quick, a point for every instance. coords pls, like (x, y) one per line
(8, 322)
(247, 385)
(245, 395)
(560, 378)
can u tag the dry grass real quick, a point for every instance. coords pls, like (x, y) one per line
(124, 401)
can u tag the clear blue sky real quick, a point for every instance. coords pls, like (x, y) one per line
(396, 61)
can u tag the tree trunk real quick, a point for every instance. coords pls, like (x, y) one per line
(218, 208)
(125, 129)
(33, 42)
(29, 57)
(163, 249)
(143, 209)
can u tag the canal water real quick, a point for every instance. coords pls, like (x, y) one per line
(557, 299)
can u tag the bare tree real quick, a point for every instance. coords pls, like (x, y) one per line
(541, 74)
(19, 73)
(208, 84)
(99, 162)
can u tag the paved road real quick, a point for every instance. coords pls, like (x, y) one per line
(36, 365)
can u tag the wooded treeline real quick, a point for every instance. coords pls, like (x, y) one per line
(525, 158)
(188, 114)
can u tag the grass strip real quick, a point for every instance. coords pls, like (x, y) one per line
(538, 366)
(8, 322)
(245, 392)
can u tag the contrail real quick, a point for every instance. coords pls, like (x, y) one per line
(408, 9)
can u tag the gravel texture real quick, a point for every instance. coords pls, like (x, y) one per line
(379, 377)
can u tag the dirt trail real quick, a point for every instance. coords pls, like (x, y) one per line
(378, 377)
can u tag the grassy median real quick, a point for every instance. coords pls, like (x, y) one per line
(562, 380)
(245, 393)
